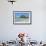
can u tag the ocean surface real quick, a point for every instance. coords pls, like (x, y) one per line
(17, 19)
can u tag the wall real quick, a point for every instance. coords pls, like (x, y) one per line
(9, 31)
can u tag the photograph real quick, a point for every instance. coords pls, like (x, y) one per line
(22, 17)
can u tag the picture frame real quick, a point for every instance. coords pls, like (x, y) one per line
(22, 17)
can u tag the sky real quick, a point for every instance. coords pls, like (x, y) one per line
(19, 14)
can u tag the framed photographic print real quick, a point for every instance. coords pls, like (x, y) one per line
(22, 17)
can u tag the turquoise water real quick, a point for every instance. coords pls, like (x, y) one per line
(17, 19)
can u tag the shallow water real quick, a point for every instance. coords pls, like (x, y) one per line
(21, 19)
